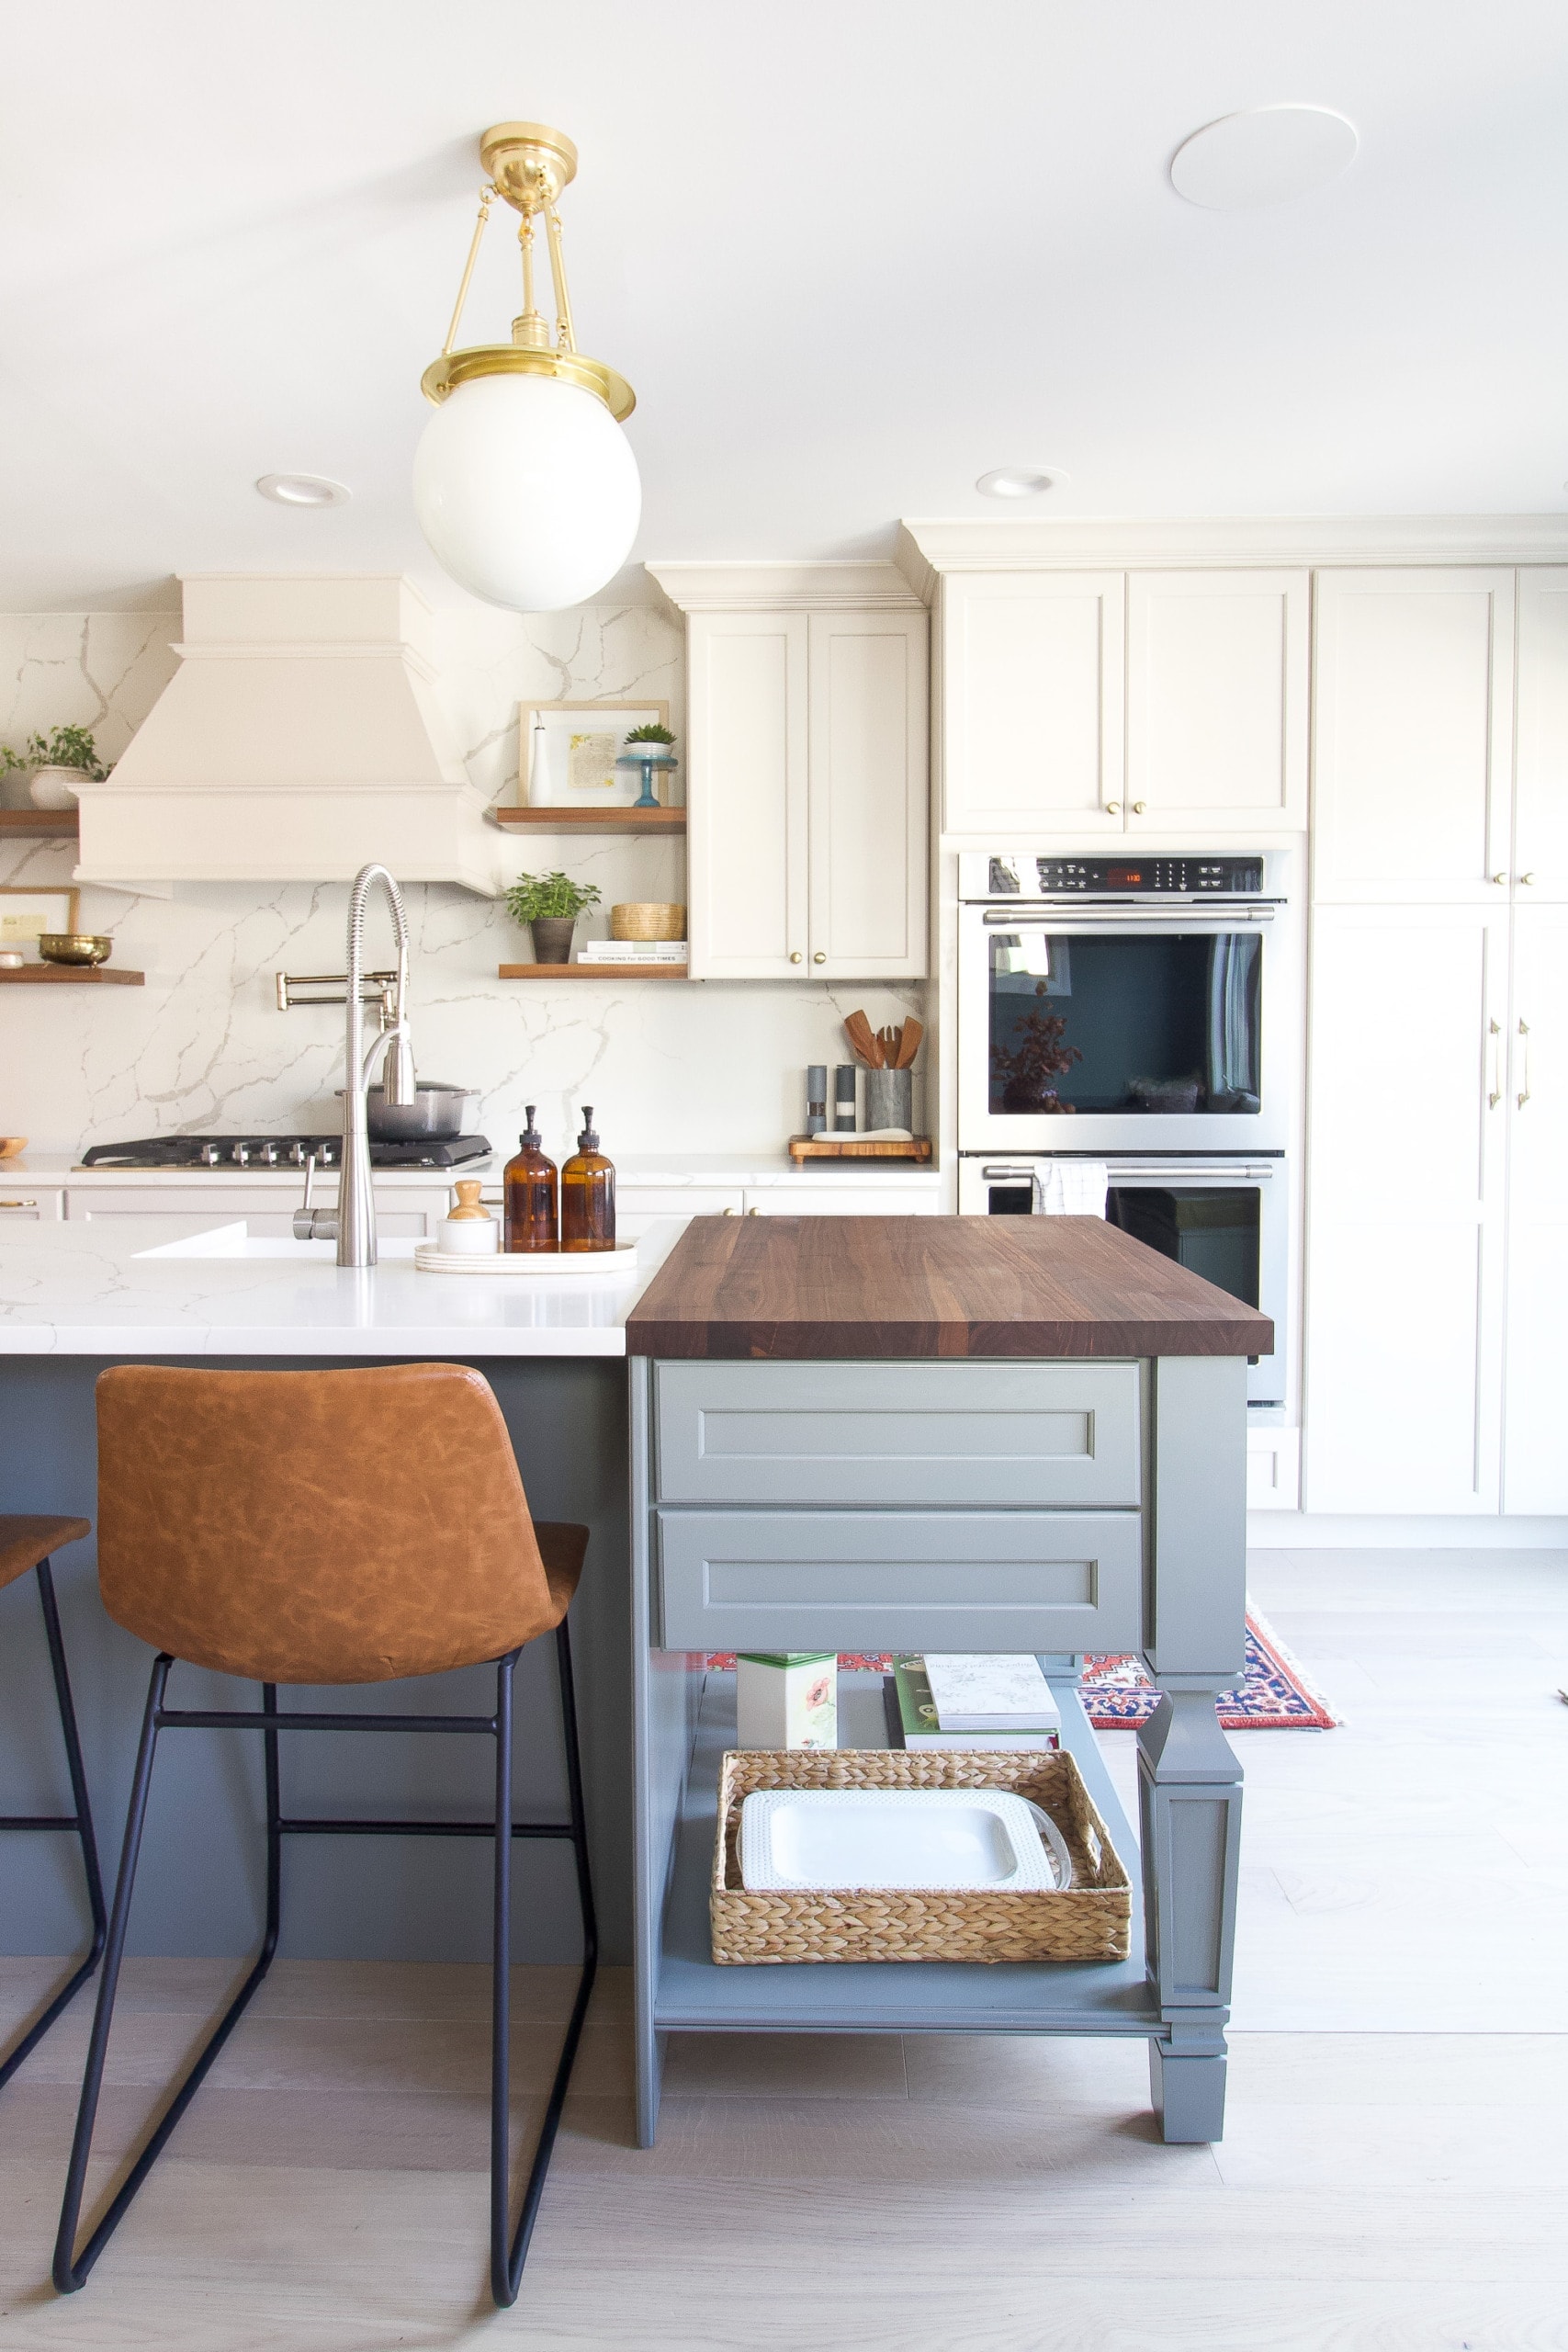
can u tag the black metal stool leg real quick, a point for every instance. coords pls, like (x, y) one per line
(70, 2270)
(506, 2268)
(82, 1822)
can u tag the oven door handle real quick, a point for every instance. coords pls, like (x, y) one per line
(1079, 918)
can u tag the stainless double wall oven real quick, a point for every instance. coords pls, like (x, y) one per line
(1142, 1012)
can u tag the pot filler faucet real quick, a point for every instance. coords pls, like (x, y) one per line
(353, 1223)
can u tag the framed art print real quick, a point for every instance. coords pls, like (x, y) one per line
(567, 752)
(26, 913)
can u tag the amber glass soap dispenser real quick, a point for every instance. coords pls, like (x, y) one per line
(532, 1220)
(588, 1193)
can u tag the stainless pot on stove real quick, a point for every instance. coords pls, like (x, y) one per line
(437, 1113)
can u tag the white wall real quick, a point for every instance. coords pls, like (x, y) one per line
(667, 1066)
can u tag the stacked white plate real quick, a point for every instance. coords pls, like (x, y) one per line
(619, 1261)
(951, 1839)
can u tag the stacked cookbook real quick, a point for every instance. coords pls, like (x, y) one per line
(633, 951)
(970, 1700)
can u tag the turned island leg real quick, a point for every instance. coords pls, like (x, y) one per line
(1188, 1780)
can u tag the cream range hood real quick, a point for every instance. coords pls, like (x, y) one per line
(300, 738)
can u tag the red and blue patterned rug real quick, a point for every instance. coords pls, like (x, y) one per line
(1273, 1695)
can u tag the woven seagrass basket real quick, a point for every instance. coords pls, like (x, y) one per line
(1091, 1920)
(648, 918)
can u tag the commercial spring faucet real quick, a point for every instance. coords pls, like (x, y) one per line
(355, 1223)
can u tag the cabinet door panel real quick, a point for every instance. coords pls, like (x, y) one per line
(864, 1579)
(402, 1213)
(746, 795)
(1535, 1458)
(1032, 691)
(1217, 698)
(1413, 740)
(868, 794)
(1404, 1210)
(1540, 805)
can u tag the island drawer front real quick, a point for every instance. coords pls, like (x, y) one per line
(1048, 1434)
(940, 1580)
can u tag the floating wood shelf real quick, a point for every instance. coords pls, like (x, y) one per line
(42, 824)
(590, 972)
(593, 821)
(96, 976)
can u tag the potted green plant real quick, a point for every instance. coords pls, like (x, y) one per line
(653, 733)
(57, 763)
(549, 904)
(647, 748)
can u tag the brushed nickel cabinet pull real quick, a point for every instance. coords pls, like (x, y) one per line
(1494, 1092)
(1525, 1039)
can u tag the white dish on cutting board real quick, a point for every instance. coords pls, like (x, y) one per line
(956, 1839)
(620, 1261)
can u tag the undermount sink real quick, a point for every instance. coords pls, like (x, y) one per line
(238, 1241)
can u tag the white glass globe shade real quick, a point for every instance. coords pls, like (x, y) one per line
(527, 491)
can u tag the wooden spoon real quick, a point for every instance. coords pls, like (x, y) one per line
(857, 1029)
(888, 1041)
(908, 1042)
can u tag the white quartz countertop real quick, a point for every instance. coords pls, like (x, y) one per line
(671, 1169)
(108, 1287)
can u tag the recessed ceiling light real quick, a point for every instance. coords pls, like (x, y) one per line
(1019, 481)
(1266, 155)
(303, 489)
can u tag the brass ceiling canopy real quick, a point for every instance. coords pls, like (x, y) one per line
(528, 164)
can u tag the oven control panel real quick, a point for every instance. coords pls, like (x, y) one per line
(1123, 877)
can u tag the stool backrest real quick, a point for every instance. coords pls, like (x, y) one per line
(345, 1526)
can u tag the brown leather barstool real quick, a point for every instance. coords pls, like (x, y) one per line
(329, 1527)
(27, 1541)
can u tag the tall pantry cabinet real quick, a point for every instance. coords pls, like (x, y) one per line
(1437, 1253)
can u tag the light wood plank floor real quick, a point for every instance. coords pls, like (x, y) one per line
(1393, 2174)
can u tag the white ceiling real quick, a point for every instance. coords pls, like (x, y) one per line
(851, 254)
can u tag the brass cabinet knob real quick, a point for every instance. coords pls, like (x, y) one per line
(753, 1212)
(820, 957)
(729, 1212)
(796, 959)
(1499, 878)
(1114, 807)
(1527, 880)
(1139, 807)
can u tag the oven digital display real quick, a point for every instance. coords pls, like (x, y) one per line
(1188, 876)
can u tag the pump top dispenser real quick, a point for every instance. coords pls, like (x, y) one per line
(532, 1207)
(588, 1193)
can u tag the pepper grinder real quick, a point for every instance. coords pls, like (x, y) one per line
(816, 1098)
(844, 1099)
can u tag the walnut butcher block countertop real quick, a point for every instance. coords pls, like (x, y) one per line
(806, 1287)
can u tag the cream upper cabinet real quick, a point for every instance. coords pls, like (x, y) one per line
(745, 794)
(1535, 1460)
(1408, 1120)
(807, 793)
(1217, 673)
(1414, 757)
(1540, 804)
(1031, 697)
(867, 826)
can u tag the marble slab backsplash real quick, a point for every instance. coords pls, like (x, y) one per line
(669, 1067)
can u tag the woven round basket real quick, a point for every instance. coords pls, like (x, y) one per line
(648, 918)
(1090, 1920)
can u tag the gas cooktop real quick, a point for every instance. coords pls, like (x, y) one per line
(277, 1151)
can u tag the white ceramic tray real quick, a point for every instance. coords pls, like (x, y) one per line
(951, 1839)
(620, 1261)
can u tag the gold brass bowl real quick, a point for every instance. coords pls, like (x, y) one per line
(75, 946)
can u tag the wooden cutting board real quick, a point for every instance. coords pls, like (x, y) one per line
(856, 1147)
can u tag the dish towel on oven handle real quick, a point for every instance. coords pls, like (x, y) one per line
(1070, 1187)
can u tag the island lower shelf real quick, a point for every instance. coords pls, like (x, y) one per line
(694, 1995)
